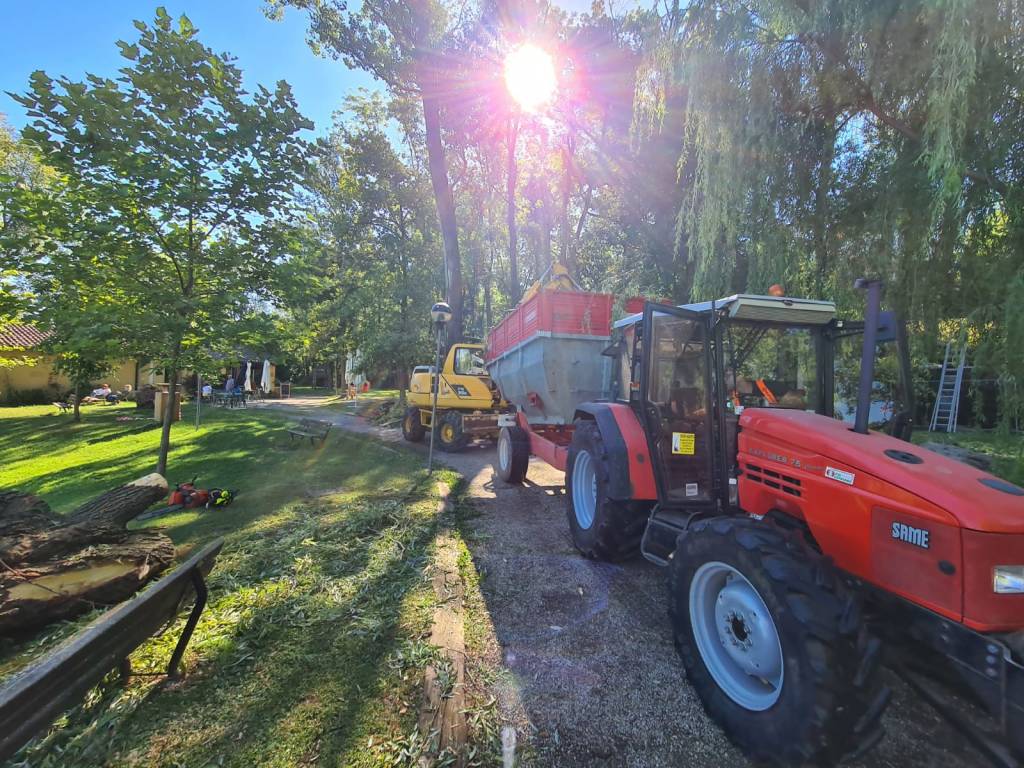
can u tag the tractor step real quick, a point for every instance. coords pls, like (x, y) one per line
(660, 535)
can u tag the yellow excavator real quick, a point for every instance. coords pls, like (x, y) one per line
(468, 403)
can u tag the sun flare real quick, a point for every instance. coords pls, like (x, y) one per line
(530, 77)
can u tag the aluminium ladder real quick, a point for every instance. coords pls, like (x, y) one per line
(947, 403)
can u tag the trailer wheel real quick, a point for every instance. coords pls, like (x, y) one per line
(513, 454)
(450, 435)
(412, 427)
(774, 643)
(602, 528)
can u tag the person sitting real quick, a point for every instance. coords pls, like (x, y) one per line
(98, 395)
(207, 391)
(229, 385)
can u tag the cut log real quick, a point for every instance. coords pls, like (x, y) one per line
(53, 568)
(122, 504)
(24, 513)
(104, 574)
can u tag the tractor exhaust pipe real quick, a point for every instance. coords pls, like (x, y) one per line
(867, 355)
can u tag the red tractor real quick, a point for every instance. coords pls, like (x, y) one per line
(801, 549)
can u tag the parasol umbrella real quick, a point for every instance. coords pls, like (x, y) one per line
(248, 376)
(265, 379)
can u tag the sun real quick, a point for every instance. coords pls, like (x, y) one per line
(530, 77)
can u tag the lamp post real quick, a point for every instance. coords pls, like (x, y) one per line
(440, 314)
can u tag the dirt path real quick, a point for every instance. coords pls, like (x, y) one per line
(595, 680)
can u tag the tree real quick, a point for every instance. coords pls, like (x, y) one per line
(369, 275)
(401, 44)
(825, 141)
(175, 195)
(20, 169)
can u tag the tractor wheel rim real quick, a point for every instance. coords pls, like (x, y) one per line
(736, 636)
(584, 490)
(504, 450)
(447, 433)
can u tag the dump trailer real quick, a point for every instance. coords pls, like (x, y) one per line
(468, 403)
(802, 552)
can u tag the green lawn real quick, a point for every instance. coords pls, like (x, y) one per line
(313, 646)
(1006, 450)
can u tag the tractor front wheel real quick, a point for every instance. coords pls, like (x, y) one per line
(602, 528)
(450, 434)
(412, 427)
(513, 454)
(774, 643)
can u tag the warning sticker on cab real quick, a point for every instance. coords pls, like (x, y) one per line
(682, 443)
(839, 474)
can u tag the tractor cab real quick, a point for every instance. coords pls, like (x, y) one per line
(689, 372)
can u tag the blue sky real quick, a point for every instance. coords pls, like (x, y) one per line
(72, 37)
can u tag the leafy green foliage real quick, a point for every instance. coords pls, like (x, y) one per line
(174, 195)
(833, 140)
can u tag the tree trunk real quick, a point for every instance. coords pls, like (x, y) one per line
(403, 385)
(487, 291)
(510, 213)
(563, 220)
(53, 568)
(445, 209)
(165, 431)
(77, 413)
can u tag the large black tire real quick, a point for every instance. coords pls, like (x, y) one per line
(451, 437)
(412, 428)
(513, 454)
(830, 697)
(602, 528)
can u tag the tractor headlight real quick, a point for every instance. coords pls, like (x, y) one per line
(1008, 579)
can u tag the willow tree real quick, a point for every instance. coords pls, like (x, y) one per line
(830, 139)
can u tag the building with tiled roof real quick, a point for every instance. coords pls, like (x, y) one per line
(16, 336)
(27, 373)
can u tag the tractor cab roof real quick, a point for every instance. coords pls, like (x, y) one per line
(762, 309)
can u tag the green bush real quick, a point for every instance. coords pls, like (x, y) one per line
(38, 396)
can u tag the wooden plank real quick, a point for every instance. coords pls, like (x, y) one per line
(442, 717)
(35, 696)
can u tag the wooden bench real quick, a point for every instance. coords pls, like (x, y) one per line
(35, 696)
(314, 429)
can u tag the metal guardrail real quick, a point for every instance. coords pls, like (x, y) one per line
(37, 695)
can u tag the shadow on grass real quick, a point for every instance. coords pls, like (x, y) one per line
(289, 661)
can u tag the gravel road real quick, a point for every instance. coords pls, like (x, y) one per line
(594, 678)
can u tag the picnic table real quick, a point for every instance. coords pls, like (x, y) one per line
(229, 399)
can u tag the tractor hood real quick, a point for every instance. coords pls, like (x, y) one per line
(978, 500)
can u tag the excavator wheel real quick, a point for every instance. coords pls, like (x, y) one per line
(602, 528)
(774, 643)
(412, 427)
(513, 454)
(450, 435)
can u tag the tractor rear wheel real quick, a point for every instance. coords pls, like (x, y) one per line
(412, 427)
(450, 434)
(602, 528)
(774, 643)
(513, 454)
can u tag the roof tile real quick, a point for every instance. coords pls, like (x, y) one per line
(21, 336)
